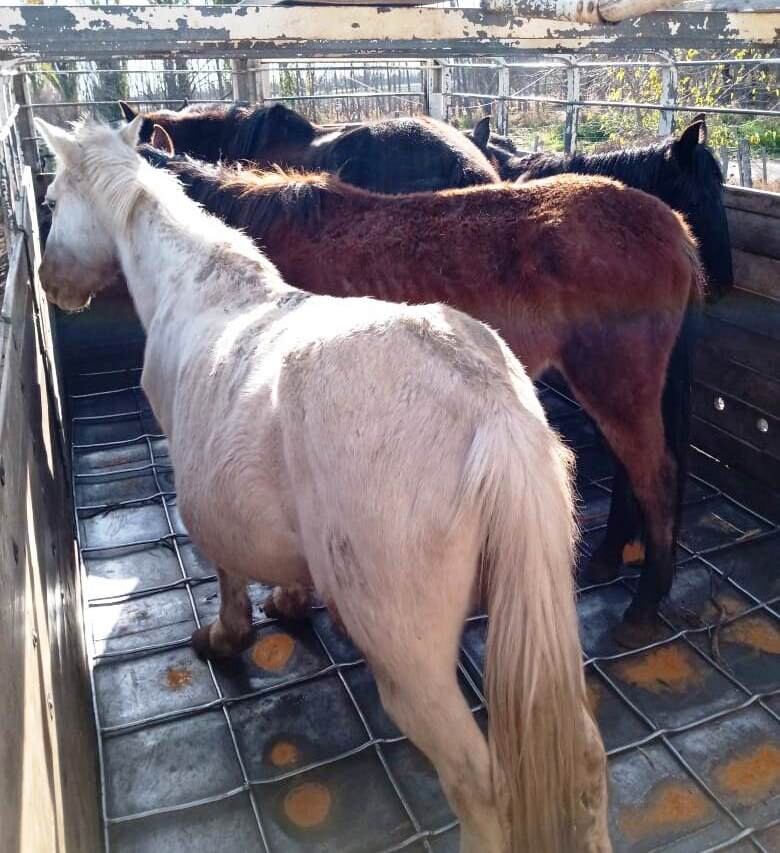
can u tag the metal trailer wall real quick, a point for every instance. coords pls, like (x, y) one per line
(48, 781)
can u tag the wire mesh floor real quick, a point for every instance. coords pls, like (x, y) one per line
(288, 749)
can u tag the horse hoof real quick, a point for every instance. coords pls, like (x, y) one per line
(635, 635)
(291, 603)
(201, 644)
(204, 647)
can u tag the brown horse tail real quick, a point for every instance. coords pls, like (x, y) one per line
(678, 389)
(520, 472)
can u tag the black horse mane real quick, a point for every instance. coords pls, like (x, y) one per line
(255, 129)
(256, 201)
(636, 167)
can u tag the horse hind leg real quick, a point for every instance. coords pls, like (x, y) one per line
(629, 415)
(408, 625)
(426, 703)
(652, 472)
(232, 631)
(623, 527)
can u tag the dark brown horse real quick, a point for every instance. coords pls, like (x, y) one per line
(402, 155)
(611, 306)
(682, 172)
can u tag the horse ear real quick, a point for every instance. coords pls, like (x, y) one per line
(685, 146)
(481, 133)
(701, 118)
(130, 132)
(58, 140)
(161, 140)
(184, 104)
(127, 111)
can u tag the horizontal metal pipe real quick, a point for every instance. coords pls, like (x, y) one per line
(620, 104)
(412, 65)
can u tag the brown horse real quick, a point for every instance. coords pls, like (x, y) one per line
(581, 273)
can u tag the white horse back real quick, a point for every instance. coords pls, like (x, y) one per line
(290, 424)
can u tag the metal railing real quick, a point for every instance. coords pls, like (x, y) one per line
(519, 95)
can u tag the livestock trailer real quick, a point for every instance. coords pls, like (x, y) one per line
(117, 737)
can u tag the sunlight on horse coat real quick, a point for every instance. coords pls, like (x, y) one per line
(385, 454)
(596, 279)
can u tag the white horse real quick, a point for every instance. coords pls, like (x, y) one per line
(394, 458)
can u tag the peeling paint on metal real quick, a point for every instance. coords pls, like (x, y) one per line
(156, 30)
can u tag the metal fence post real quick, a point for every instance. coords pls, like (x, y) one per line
(743, 161)
(240, 72)
(27, 135)
(252, 81)
(502, 105)
(572, 109)
(262, 82)
(437, 87)
(25, 120)
(669, 79)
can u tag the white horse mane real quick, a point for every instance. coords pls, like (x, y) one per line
(119, 180)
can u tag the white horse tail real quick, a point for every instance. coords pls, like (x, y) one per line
(521, 474)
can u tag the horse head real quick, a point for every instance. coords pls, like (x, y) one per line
(500, 150)
(81, 255)
(215, 132)
(691, 181)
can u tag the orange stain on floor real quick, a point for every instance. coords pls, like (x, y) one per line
(273, 652)
(665, 669)
(754, 631)
(751, 777)
(307, 805)
(284, 754)
(178, 677)
(670, 805)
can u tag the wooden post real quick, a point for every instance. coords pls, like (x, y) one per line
(668, 97)
(240, 68)
(724, 162)
(572, 110)
(764, 169)
(743, 161)
(502, 105)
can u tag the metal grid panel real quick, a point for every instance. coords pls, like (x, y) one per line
(288, 748)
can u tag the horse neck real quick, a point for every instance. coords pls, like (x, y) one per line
(635, 167)
(180, 260)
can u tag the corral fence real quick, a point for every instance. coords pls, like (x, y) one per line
(565, 103)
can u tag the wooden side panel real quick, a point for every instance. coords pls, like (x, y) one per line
(736, 426)
(48, 779)
(757, 273)
(754, 232)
